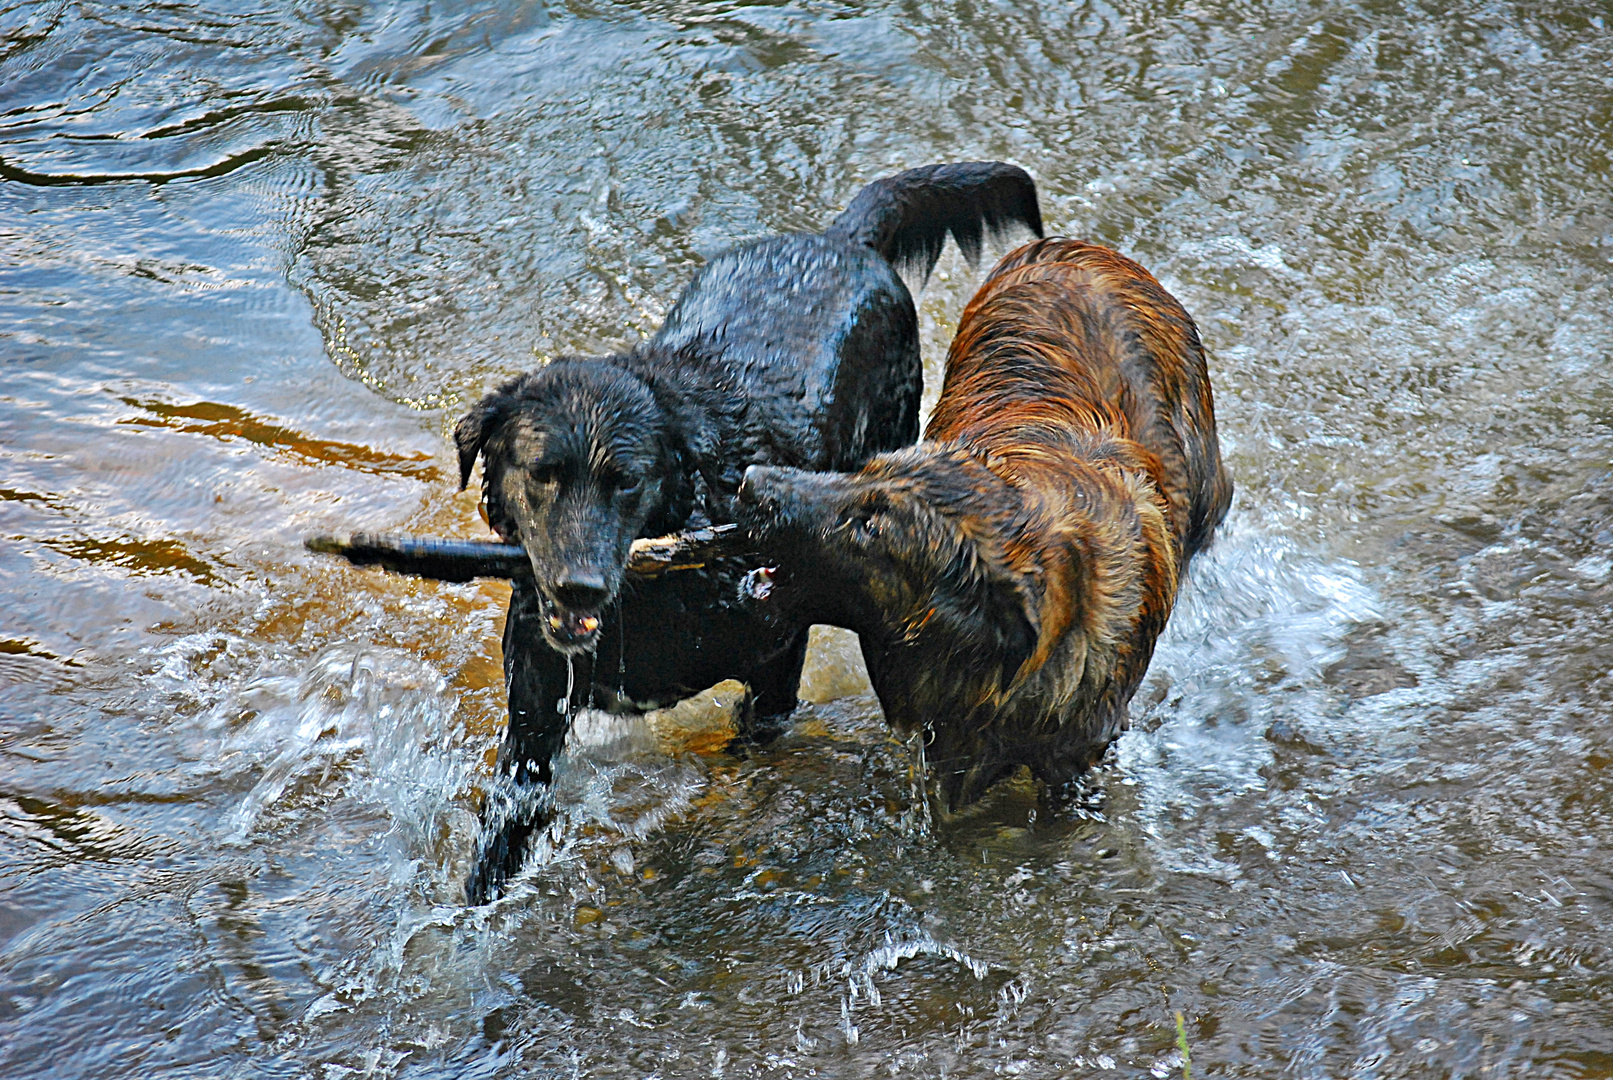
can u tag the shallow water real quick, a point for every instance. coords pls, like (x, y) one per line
(256, 257)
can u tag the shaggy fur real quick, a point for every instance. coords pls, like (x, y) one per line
(1008, 576)
(794, 350)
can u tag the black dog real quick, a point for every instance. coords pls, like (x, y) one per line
(796, 350)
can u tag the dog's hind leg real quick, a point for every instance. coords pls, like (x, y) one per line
(535, 676)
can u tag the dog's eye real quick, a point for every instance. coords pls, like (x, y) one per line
(545, 474)
(620, 483)
(864, 528)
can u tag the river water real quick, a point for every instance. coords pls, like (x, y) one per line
(258, 255)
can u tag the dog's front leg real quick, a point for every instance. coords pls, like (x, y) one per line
(535, 677)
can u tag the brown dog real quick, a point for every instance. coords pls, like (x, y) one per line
(1009, 575)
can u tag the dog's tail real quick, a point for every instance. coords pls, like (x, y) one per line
(906, 217)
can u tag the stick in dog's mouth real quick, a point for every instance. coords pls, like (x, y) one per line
(464, 560)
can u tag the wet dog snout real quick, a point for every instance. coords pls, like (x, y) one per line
(758, 494)
(581, 590)
(750, 488)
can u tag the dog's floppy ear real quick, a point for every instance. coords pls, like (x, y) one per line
(1016, 623)
(677, 489)
(989, 605)
(471, 433)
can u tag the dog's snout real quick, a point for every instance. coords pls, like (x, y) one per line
(750, 488)
(759, 491)
(581, 590)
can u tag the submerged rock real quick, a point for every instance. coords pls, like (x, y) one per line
(703, 724)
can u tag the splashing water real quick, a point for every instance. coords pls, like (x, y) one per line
(1361, 823)
(359, 726)
(1239, 664)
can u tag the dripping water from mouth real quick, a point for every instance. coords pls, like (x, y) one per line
(918, 817)
(563, 706)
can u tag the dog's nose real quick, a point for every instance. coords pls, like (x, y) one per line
(753, 489)
(581, 590)
(747, 485)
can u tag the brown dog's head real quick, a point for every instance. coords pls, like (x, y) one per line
(906, 553)
(579, 459)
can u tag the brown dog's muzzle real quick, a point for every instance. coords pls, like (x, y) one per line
(778, 508)
(767, 501)
(753, 494)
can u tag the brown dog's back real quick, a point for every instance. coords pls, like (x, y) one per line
(1069, 334)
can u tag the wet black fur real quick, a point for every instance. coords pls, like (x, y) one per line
(795, 350)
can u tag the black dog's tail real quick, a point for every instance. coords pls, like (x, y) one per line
(906, 217)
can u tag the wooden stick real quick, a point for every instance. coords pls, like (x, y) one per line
(463, 560)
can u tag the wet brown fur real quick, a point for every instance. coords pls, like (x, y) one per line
(1010, 574)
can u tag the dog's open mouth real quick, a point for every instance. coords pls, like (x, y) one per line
(570, 631)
